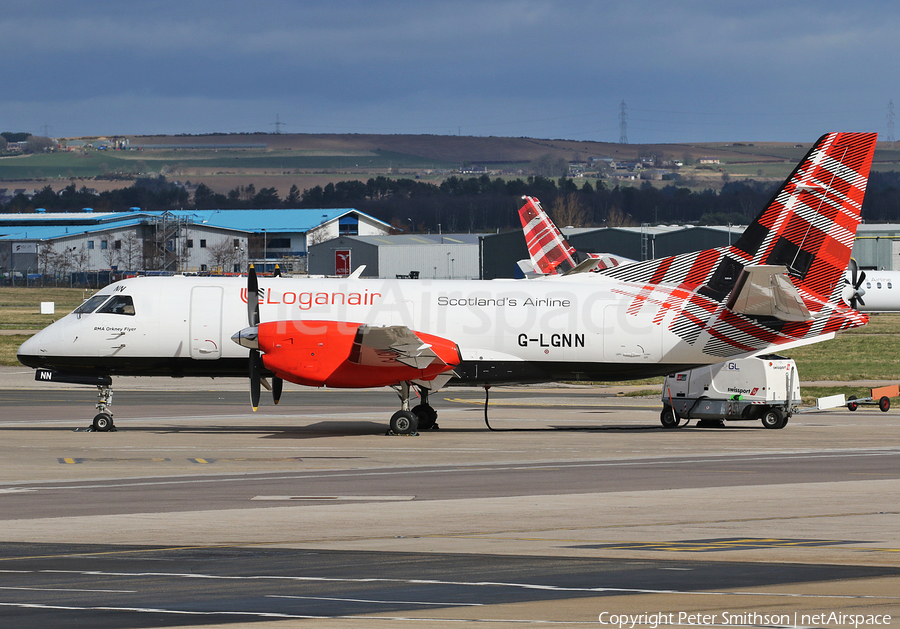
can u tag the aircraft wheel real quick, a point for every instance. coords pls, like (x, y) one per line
(884, 404)
(669, 418)
(404, 422)
(102, 422)
(773, 418)
(851, 405)
(426, 415)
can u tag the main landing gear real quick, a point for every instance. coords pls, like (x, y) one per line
(103, 420)
(421, 417)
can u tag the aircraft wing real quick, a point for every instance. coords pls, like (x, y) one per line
(387, 346)
(765, 290)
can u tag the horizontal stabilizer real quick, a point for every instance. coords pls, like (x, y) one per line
(766, 291)
(598, 262)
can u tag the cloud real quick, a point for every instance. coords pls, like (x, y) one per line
(519, 67)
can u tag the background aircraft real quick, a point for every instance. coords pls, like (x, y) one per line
(550, 253)
(880, 288)
(779, 285)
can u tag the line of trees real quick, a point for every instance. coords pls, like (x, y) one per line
(472, 204)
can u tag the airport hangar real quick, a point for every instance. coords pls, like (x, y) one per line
(173, 241)
(413, 256)
(337, 241)
(877, 246)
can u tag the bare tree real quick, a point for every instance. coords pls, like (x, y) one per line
(48, 259)
(618, 218)
(112, 255)
(223, 255)
(132, 251)
(316, 236)
(569, 211)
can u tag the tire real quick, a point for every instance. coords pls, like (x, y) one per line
(669, 418)
(404, 423)
(884, 404)
(851, 405)
(773, 418)
(426, 415)
(102, 422)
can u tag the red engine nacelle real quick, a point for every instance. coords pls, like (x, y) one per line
(317, 353)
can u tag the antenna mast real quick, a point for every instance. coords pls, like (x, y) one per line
(623, 124)
(890, 117)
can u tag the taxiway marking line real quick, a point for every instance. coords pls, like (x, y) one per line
(32, 589)
(523, 586)
(153, 610)
(367, 600)
(449, 469)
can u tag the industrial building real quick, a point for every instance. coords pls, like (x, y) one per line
(878, 246)
(216, 241)
(329, 242)
(425, 256)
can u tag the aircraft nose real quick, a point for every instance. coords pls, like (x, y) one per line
(32, 351)
(248, 337)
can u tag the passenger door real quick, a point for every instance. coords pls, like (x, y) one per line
(206, 322)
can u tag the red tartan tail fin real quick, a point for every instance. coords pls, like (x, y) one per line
(548, 249)
(808, 227)
(810, 224)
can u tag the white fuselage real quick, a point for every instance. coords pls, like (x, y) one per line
(506, 330)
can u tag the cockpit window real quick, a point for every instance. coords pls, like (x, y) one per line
(119, 305)
(91, 304)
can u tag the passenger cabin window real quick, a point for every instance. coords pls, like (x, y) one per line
(91, 304)
(119, 305)
(878, 284)
(868, 284)
(889, 285)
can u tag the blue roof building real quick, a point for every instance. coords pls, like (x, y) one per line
(175, 241)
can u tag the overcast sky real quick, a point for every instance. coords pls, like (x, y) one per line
(688, 71)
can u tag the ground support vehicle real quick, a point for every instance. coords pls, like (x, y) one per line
(881, 397)
(764, 388)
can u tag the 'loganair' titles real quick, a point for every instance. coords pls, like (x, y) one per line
(307, 300)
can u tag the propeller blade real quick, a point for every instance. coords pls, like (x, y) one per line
(862, 278)
(854, 271)
(255, 368)
(253, 320)
(860, 300)
(277, 385)
(252, 297)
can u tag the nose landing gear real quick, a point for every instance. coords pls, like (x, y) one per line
(103, 420)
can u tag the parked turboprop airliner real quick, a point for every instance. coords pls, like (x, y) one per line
(881, 290)
(778, 286)
(549, 251)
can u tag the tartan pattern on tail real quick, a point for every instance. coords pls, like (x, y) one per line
(808, 226)
(547, 247)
